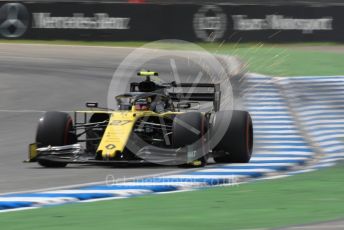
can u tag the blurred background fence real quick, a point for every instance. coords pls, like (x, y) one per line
(202, 20)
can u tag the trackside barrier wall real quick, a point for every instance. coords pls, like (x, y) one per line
(137, 22)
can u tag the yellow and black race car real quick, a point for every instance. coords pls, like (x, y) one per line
(154, 123)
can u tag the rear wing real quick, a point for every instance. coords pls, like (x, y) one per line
(214, 95)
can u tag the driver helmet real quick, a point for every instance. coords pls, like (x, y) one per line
(142, 104)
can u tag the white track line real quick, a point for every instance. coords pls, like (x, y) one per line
(40, 200)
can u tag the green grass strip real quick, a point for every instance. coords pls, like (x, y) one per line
(316, 196)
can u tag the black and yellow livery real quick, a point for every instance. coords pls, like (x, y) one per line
(153, 124)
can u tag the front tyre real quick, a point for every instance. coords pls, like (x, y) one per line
(55, 129)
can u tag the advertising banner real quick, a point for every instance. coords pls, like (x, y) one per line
(146, 22)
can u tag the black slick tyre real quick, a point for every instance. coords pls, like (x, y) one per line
(54, 129)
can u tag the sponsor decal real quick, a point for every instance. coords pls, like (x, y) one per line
(280, 22)
(119, 122)
(14, 20)
(210, 23)
(110, 146)
(99, 21)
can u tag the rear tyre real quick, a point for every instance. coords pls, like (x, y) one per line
(237, 143)
(188, 135)
(55, 129)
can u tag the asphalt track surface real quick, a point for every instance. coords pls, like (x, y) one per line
(335, 225)
(36, 78)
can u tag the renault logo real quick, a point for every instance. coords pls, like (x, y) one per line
(14, 20)
(110, 146)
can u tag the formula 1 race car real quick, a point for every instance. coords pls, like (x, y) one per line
(153, 124)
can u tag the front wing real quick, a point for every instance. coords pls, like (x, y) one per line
(75, 154)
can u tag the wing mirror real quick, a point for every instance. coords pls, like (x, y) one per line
(92, 104)
(184, 105)
(193, 105)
